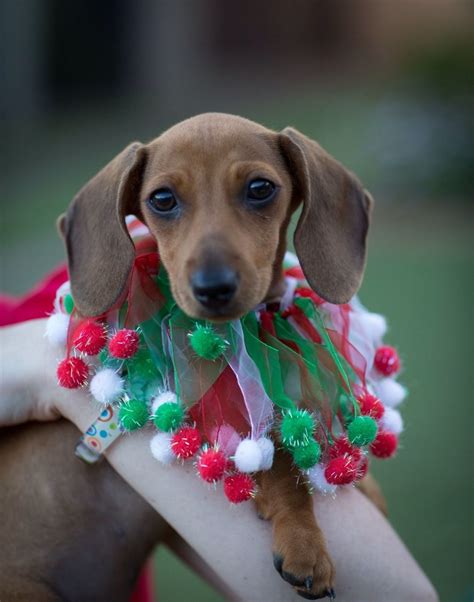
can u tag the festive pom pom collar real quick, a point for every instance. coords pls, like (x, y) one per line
(302, 374)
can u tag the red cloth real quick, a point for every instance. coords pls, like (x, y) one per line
(144, 590)
(38, 303)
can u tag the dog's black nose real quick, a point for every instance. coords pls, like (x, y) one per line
(214, 286)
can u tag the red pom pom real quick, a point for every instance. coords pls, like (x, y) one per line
(239, 487)
(186, 442)
(211, 465)
(72, 373)
(90, 337)
(370, 406)
(124, 344)
(386, 360)
(343, 446)
(363, 468)
(341, 471)
(385, 445)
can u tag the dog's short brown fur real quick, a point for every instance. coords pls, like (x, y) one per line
(69, 531)
(208, 162)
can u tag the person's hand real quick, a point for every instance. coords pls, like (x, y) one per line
(28, 388)
(28, 384)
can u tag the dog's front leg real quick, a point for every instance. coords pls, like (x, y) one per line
(299, 548)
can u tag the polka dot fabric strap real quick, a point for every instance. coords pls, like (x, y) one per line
(102, 433)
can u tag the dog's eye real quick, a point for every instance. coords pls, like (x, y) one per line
(162, 201)
(260, 191)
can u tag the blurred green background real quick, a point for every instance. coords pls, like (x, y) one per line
(386, 87)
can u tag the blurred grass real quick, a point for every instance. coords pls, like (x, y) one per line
(425, 288)
(419, 275)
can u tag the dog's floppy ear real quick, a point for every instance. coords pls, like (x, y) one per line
(330, 237)
(99, 249)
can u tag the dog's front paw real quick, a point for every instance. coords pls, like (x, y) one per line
(301, 557)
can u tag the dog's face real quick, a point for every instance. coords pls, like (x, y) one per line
(217, 192)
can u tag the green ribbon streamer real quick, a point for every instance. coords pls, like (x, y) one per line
(167, 360)
(267, 360)
(307, 306)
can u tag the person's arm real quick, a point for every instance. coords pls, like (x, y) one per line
(371, 561)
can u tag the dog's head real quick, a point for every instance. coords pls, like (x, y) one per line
(217, 191)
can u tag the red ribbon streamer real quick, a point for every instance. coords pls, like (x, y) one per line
(142, 294)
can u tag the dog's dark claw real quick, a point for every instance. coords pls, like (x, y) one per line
(308, 582)
(331, 594)
(291, 579)
(278, 562)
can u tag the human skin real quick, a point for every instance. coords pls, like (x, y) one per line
(372, 562)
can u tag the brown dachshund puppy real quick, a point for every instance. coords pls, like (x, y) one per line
(218, 192)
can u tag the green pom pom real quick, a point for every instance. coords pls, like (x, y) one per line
(207, 343)
(133, 414)
(68, 303)
(168, 416)
(108, 361)
(296, 428)
(307, 456)
(362, 430)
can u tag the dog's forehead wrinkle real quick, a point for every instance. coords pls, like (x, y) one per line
(201, 151)
(213, 136)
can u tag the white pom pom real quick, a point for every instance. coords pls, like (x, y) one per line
(63, 290)
(392, 421)
(374, 325)
(318, 480)
(106, 385)
(56, 328)
(161, 450)
(390, 392)
(248, 456)
(165, 397)
(268, 449)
